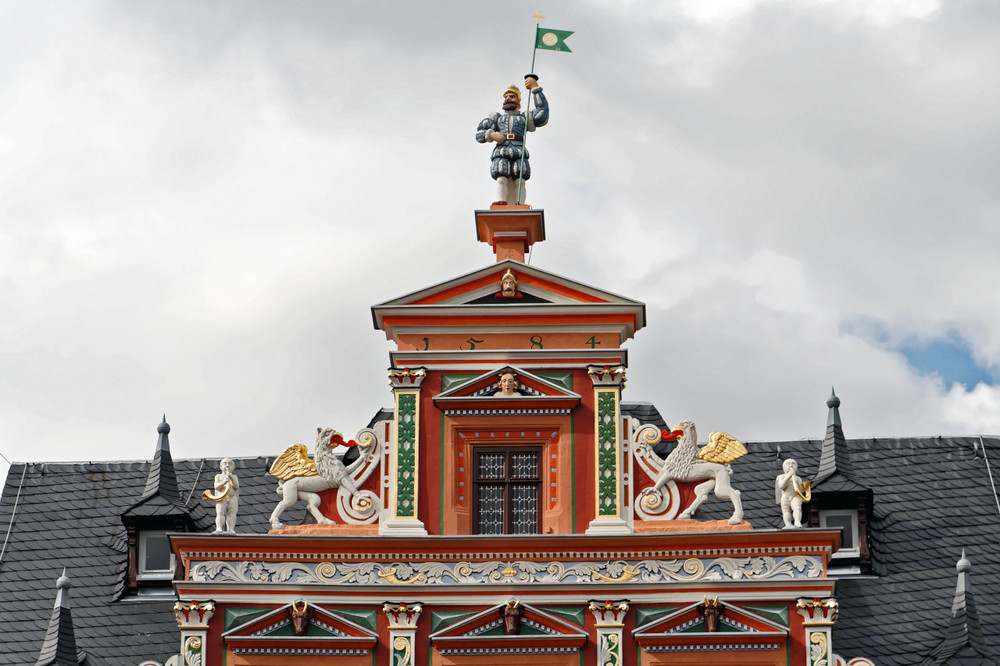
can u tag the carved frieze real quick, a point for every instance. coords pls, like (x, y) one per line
(509, 572)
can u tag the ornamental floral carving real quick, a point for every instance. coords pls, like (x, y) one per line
(509, 572)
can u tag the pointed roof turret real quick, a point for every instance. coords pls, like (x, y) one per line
(59, 646)
(162, 480)
(963, 642)
(161, 495)
(835, 471)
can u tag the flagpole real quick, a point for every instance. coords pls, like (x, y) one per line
(527, 109)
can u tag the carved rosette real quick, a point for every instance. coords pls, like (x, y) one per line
(818, 616)
(608, 382)
(404, 458)
(402, 631)
(610, 623)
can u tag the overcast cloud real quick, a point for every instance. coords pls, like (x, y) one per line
(200, 201)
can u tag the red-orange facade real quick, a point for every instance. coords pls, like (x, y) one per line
(515, 528)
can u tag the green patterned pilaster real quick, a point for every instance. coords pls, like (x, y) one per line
(192, 620)
(402, 632)
(818, 617)
(404, 457)
(610, 623)
(610, 507)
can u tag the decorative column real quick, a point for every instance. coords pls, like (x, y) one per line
(192, 619)
(610, 616)
(404, 457)
(819, 616)
(608, 383)
(402, 631)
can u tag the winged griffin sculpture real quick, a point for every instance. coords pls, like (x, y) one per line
(300, 477)
(709, 464)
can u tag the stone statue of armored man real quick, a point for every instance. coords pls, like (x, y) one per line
(507, 130)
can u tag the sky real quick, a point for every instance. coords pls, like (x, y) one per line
(200, 201)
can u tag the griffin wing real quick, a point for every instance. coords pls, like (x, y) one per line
(293, 462)
(722, 448)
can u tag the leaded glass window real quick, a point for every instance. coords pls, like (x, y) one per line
(507, 486)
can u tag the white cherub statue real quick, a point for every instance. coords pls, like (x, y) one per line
(226, 497)
(790, 492)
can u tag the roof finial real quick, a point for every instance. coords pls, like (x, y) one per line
(833, 402)
(164, 427)
(963, 565)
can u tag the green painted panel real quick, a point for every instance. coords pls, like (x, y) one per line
(237, 616)
(563, 379)
(570, 614)
(366, 617)
(450, 381)
(647, 614)
(441, 619)
(777, 614)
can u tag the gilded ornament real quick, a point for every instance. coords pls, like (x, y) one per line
(391, 577)
(628, 573)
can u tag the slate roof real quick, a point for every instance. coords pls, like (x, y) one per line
(68, 514)
(932, 498)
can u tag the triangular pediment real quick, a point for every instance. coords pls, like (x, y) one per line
(534, 392)
(273, 633)
(687, 626)
(536, 285)
(475, 299)
(538, 632)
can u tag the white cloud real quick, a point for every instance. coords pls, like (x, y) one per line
(198, 204)
(975, 411)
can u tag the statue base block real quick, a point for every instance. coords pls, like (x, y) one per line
(333, 530)
(658, 526)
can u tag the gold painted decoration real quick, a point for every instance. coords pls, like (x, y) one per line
(294, 462)
(722, 448)
(192, 651)
(627, 574)
(391, 577)
(208, 495)
(804, 491)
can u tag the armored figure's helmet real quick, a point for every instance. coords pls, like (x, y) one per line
(517, 93)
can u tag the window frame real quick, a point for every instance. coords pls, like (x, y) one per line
(844, 553)
(537, 448)
(145, 575)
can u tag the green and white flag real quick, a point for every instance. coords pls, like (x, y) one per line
(553, 40)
